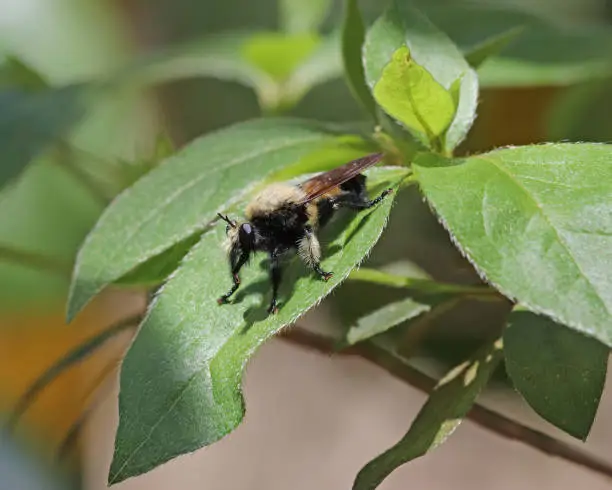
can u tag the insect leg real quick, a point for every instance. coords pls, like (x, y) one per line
(310, 252)
(275, 277)
(358, 201)
(235, 269)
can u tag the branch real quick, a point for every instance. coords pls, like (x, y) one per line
(481, 416)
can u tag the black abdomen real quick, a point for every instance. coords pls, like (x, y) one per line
(355, 186)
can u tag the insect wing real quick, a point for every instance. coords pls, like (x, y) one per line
(322, 183)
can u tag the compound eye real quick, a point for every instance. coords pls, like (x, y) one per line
(227, 229)
(246, 235)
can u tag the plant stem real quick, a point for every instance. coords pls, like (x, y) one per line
(75, 356)
(65, 159)
(421, 285)
(481, 416)
(72, 434)
(35, 260)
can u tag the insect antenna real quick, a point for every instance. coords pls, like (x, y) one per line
(227, 220)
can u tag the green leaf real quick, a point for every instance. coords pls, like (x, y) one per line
(409, 93)
(328, 156)
(180, 381)
(156, 270)
(384, 319)
(536, 222)
(298, 16)
(16, 74)
(560, 372)
(31, 121)
(180, 197)
(404, 25)
(353, 38)
(543, 54)
(490, 47)
(279, 54)
(440, 416)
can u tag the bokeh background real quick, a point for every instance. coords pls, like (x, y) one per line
(312, 420)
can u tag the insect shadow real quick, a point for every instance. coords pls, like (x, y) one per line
(293, 270)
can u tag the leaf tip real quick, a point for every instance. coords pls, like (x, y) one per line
(79, 296)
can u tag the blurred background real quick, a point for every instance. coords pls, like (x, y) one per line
(175, 70)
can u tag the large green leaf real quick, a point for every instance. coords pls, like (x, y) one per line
(353, 38)
(542, 54)
(180, 381)
(536, 221)
(31, 121)
(404, 25)
(560, 372)
(182, 195)
(439, 417)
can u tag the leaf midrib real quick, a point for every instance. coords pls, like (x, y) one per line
(147, 438)
(549, 221)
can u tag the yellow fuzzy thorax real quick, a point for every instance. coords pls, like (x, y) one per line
(272, 198)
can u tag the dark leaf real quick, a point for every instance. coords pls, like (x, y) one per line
(560, 372)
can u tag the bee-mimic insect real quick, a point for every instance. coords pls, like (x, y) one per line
(283, 217)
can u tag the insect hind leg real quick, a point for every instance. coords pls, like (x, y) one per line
(309, 250)
(359, 201)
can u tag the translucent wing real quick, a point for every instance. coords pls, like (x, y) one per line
(323, 183)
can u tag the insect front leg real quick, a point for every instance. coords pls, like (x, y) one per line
(310, 252)
(236, 266)
(275, 278)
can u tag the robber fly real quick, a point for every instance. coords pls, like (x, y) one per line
(283, 217)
